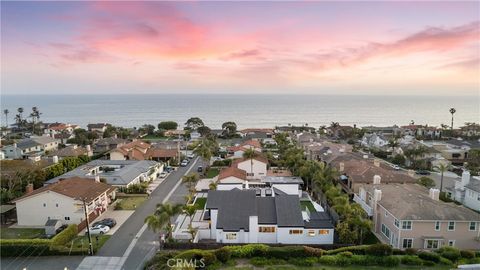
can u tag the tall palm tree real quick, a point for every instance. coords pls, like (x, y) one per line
(190, 212)
(6, 112)
(250, 154)
(161, 218)
(334, 127)
(442, 168)
(190, 180)
(307, 172)
(206, 149)
(452, 111)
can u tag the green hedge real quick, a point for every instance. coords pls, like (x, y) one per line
(358, 250)
(429, 256)
(248, 251)
(196, 255)
(65, 236)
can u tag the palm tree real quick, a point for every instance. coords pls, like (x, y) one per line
(307, 172)
(6, 112)
(442, 168)
(452, 111)
(161, 218)
(334, 127)
(250, 154)
(206, 149)
(212, 186)
(393, 144)
(324, 177)
(190, 180)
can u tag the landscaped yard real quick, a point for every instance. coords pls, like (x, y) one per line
(212, 172)
(14, 233)
(292, 267)
(82, 242)
(200, 203)
(308, 204)
(130, 203)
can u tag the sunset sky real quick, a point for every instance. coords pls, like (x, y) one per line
(410, 48)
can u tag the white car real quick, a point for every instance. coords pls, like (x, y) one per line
(396, 167)
(184, 163)
(99, 229)
(163, 174)
(190, 156)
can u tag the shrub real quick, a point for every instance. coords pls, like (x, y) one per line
(429, 256)
(65, 236)
(248, 251)
(24, 247)
(313, 252)
(328, 260)
(428, 263)
(358, 250)
(467, 254)
(286, 252)
(426, 182)
(342, 260)
(223, 254)
(262, 261)
(445, 261)
(397, 251)
(347, 254)
(359, 260)
(379, 250)
(411, 260)
(390, 261)
(451, 253)
(410, 251)
(196, 255)
(306, 262)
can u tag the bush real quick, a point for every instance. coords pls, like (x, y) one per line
(390, 261)
(223, 254)
(451, 253)
(196, 255)
(286, 252)
(262, 261)
(347, 254)
(426, 182)
(397, 251)
(445, 261)
(328, 260)
(411, 251)
(467, 254)
(248, 251)
(411, 260)
(24, 247)
(359, 260)
(65, 236)
(313, 252)
(306, 262)
(379, 250)
(358, 250)
(429, 256)
(428, 263)
(222, 163)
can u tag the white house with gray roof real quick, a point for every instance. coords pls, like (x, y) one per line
(33, 146)
(241, 216)
(119, 173)
(466, 191)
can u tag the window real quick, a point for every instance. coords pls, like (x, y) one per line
(451, 225)
(296, 232)
(406, 225)
(56, 205)
(266, 229)
(250, 174)
(386, 214)
(407, 242)
(451, 243)
(397, 223)
(44, 205)
(67, 218)
(311, 232)
(432, 244)
(231, 236)
(386, 231)
(437, 225)
(473, 226)
(323, 232)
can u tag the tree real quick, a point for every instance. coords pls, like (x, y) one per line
(35, 115)
(452, 112)
(194, 123)
(393, 144)
(229, 129)
(442, 168)
(204, 131)
(307, 172)
(147, 129)
(190, 212)
(190, 180)
(6, 112)
(250, 154)
(161, 218)
(426, 182)
(324, 177)
(167, 125)
(473, 161)
(206, 149)
(334, 127)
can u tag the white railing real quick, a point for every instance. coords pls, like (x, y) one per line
(363, 204)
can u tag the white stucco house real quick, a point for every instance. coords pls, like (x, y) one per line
(241, 216)
(467, 191)
(256, 168)
(374, 141)
(64, 201)
(34, 146)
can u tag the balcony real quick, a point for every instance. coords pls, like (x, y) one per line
(363, 204)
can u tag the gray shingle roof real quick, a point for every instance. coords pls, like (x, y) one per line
(266, 210)
(234, 208)
(289, 212)
(473, 185)
(34, 141)
(283, 180)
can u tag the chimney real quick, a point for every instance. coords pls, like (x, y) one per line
(465, 178)
(434, 194)
(377, 179)
(15, 145)
(342, 167)
(115, 135)
(29, 188)
(74, 146)
(55, 159)
(365, 156)
(376, 162)
(97, 178)
(377, 195)
(89, 148)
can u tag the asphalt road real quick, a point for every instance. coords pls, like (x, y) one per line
(145, 245)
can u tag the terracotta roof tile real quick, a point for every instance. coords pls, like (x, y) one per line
(232, 171)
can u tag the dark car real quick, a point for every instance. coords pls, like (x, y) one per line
(200, 169)
(61, 228)
(110, 222)
(422, 172)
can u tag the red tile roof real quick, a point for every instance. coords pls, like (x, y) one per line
(232, 171)
(258, 158)
(75, 188)
(161, 153)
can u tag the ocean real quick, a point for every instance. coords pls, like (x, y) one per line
(246, 110)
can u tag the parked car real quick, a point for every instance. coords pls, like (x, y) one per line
(110, 222)
(99, 229)
(184, 163)
(396, 167)
(422, 172)
(163, 174)
(190, 156)
(61, 228)
(169, 169)
(200, 169)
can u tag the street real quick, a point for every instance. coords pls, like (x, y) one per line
(132, 244)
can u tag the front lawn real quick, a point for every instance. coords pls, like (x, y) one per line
(307, 204)
(130, 203)
(212, 172)
(81, 242)
(17, 233)
(200, 203)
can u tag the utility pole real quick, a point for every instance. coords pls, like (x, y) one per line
(90, 246)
